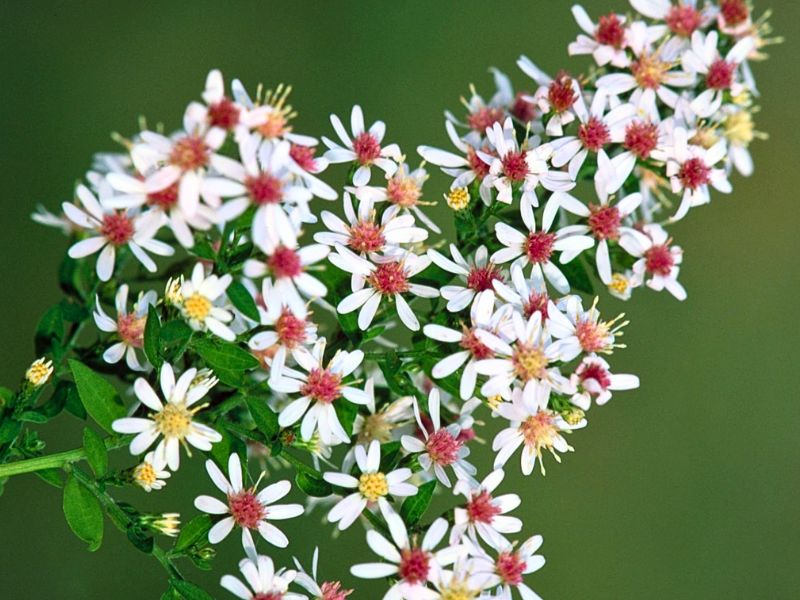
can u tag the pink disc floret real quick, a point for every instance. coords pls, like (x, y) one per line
(246, 509)
(117, 228)
(481, 508)
(366, 147)
(323, 386)
(284, 262)
(443, 447)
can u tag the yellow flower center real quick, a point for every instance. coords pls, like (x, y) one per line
(375, 427)
(458, 591)
(373, 486)
(39, 372)
(705, 137)
(458, 198)
(619, 283)
(573, 416)
(145, 474)
(739, 128)
(174, 420)
(529, 362)
(494, 402)
(197, 307)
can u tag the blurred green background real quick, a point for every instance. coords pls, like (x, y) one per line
(687, 488)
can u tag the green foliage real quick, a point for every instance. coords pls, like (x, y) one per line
(265, 419)
(189, 591)
(193, 532)
(224, 356)
(152, 337)
(96, 453)
(243, 301)
(83, 512)
(99, 397)
(414, 507)
(174, 336)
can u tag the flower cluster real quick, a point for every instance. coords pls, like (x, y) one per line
(353, 348)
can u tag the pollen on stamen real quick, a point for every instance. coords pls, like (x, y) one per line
(443, 447)
(734, 12)
(510, 568)
(485, 117)
(535, 302)
(595, 372)
(333, 590)
(189, 153)
(659, 260)
(560, 93)
(529, 362)
(389, 278)
(223, 114)
(481, 508)
(610, 31)
(246, 509)
(304, 156)
(649, 71)
(130, 328)
(694, 173)
(477, 164)
(117, 228)
(284, 262)
(523, 109)
(515, 167)
(641, 138)
(720, 75)
(403, 191)
(164, 199)
(290, 328)
(477, 349)
(366, 236)
(264, 189)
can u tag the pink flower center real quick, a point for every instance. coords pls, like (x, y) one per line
(604, 221)
(268, 596)
(366, 147)
(291, 330)
(610, 31)
(443, 447)
(510, 568)
(593, 336)
(403, 191)
(366, 236)
(471, 343)
(246, 509)
(683, 20)
(659, 260)
(389, 279)
(117, 228)
(476, 163)
(560, 93)
(523, 109)
(641, 138)
(304, 156)
(485, 117)
(332, 590)
(131, 329)
(649, 71)
(735, 12)
(223, 114)
(720, 75)
(539, 431)
(515, 167)
(481, 509)
(596, 372)
(264, 189)
(535, 302)
(164, 199)
(594, 134)
(189, 153)
(284, 262)
(539, 246)
(414, 565)
(322, 386)
(694, 173)
(480, 278)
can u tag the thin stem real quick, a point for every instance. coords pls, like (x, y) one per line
(53, 461)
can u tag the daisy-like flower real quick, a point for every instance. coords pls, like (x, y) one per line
(478, 276)
(172, 420)
(622, 284)
(593, 379)
(384, 276)
(371, 487)
(535, 248)
(605, 40)
(319, 387)
(555, 97)
(581, 330)
(658, 260)
(484, 515)
(682, 17)
(362, 232)
(42, 216)
(604, 226)
(327, 590)
(441, 447)
(200, 297)
(287, 267)
(691, 169)
(527, 296)
(509, 566)
(363, 149)
(738, 128)
(217, 110)
(39, 372)
(246, 508)
(381, 425)
(263, 581)
(533, 426)
(129, 326)
(482, 114)
(112, 230)
(412, 562)
(150, 473)
(721, 74)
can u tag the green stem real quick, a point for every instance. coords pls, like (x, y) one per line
(54, 461)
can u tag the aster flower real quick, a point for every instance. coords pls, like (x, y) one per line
(384, 276)
(593, 379)
(658, 260)
(607, 39)
(527, 296)
(371, 487)
(508, 567)
(319, 387)
(582, 330)
(622, 284)
(682, 17)
(381, 424)
(555, 96)
(172, 420)
(263, 581)
(150, 473)
(483, 514)
(477, 275)
(39, 372)
(199, 299)
(364, 149)
(246, 508)
(112, 230)
(217, 109)
(440, 447)
(327, 590)
(129, 326)
(42, 216)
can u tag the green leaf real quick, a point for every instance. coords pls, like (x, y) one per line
(140, 538)
(312, 485)
(9, 429)
(32, 416)
(194, 531)
(265, 419)
(242, 300)
(189, 590)
(152, 337)
(83, 512)
(414, 507)
(97, 395)
(203, 249)
(346, 412)
(224, 355)
(51, 476)
(96, 453)
(74, 313)
(50, 331)
(175, 335)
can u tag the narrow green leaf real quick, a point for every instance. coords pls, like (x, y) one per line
(97, 395)
(141, 539)
(189, 590)
(266, 420)
(32, 416)
(193, 532)
(313, 485)
(414, 507)
(224, 355)
(9, 429)
(242, 300)
(83, 513)
(152, 337)
(51, 476)
(96, 453)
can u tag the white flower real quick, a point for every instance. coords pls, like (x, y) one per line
(484, 515)
(594, 379)
(218, 110)
(478, 276)
(385, 276)
(682, 17)
(622, 284)
(364, 149)
(509, 566)
(39, 372)
(583, 330)
(200, 296)
(150, 473)
(246, 508)
(372, 486)
(327, 590)
(48, 219)
(259, 572)
(114, 229)
(173, 421)
(607, 40)
(441, 447)
(129, 326)
(319, 387)
(556, 96)
(658, 261)
(527, 296)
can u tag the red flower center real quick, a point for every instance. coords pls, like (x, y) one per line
(322, 386)
(284, 262)
(485, 117)
(535, 302)
(604, 221)
(476, 163)
(610, 31)
(510, 568)
(245, 509)
(539, 246)
(131, 329)
(414, 565)
(389, 279)
(481, 509)
(694, 173)
(593, 336)
(164, 199)
(291, 329)
(268, 596)
(471, 343)
(641, 138)
(264, 189)
(304, 156)
(443, 447)
(659, 260)
(403, 191)
(223, 114)
(189, 153)
(366, 236)
(332, 590)
(117, 228)
(596, 372)
(683, 20)
(523, 109)
(480, 278)
(735, 12)
(720, 75)
(594, 134)
(515, 167)
(560, 94)
(366, 147)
